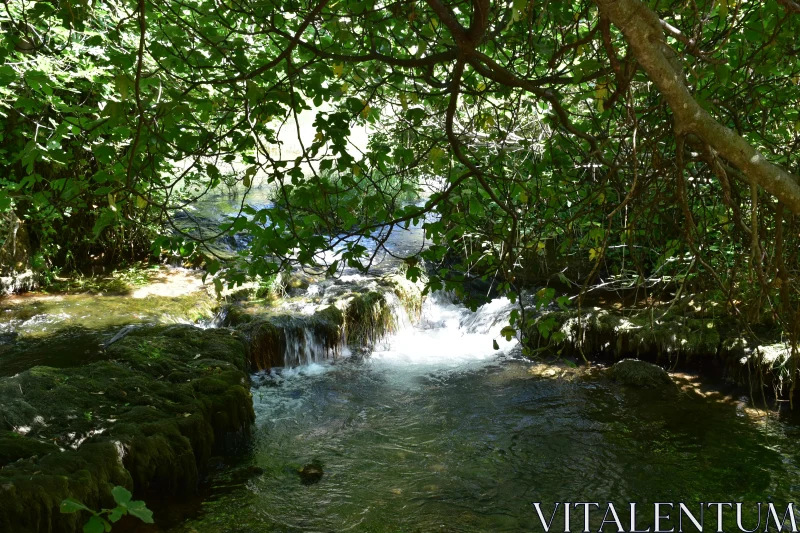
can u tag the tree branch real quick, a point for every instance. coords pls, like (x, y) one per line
(643, 32)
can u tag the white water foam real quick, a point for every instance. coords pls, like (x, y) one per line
(448, 335)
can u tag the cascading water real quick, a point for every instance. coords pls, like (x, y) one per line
(449, 334)
(305, 347)
(443, 327)
(438, 431)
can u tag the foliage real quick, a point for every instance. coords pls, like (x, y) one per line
(101, 521)
(120, 281)
(540, 136)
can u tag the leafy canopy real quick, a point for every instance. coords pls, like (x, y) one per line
(653, 140)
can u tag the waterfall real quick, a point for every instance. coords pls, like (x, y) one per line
(305, 346)
(381, 325)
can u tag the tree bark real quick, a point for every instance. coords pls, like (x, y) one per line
(644, 34)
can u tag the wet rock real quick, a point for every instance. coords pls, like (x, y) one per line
(127, 421)
(638, 373)
(329, 315)
(292, 340)
(298, 280)
(311, 473)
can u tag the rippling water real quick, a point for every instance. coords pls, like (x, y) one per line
(439, 432)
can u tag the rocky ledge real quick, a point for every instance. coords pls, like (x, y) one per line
(711, 345)
(148, 418)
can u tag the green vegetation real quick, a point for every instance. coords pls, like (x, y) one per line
(649, 146)
(100, 521)
(626, 170)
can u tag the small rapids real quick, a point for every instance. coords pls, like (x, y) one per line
(437, 430)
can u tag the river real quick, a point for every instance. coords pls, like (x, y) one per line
(437, 431)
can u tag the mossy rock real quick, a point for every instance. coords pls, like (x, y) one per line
(14, 447)
(148, 418)
(278, 340)
(714, 345)
(311, 473)
(347, 313)
(368, 318)
(638, 373)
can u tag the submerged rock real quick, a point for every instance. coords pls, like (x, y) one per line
(245, 473)
(311, 473)
(638, 373)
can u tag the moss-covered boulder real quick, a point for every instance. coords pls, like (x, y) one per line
(712, 345)
(148, 418)
(329, 316)
(638, 373)
(277, 340)
(369, 317)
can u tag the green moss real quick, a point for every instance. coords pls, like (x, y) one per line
(654, 335)
(138, 420)
(14, 447)
(408, 293)
(99, 313)
(368, 318)
(270, 335)
(267, 344)
(639, 374)
(358, 315)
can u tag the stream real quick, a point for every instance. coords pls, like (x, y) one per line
(436, 429)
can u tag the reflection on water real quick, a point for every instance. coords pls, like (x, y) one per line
(439, 432)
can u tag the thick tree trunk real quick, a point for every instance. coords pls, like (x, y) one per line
(642, 30)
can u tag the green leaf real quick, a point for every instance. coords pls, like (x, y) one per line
(95, 525)
(106, 218)
(138, 509)
(213, 172)
(121, 494)
(104, 154)
(7, 75)
(71, 505)
(475, 207)
(508, 332)
(116, 514)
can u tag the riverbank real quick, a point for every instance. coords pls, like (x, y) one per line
(146, 418)
(153, 402)
(699, 339)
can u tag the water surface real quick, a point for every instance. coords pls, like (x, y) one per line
(437, 431)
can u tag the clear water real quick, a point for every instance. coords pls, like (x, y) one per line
(437, 431)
